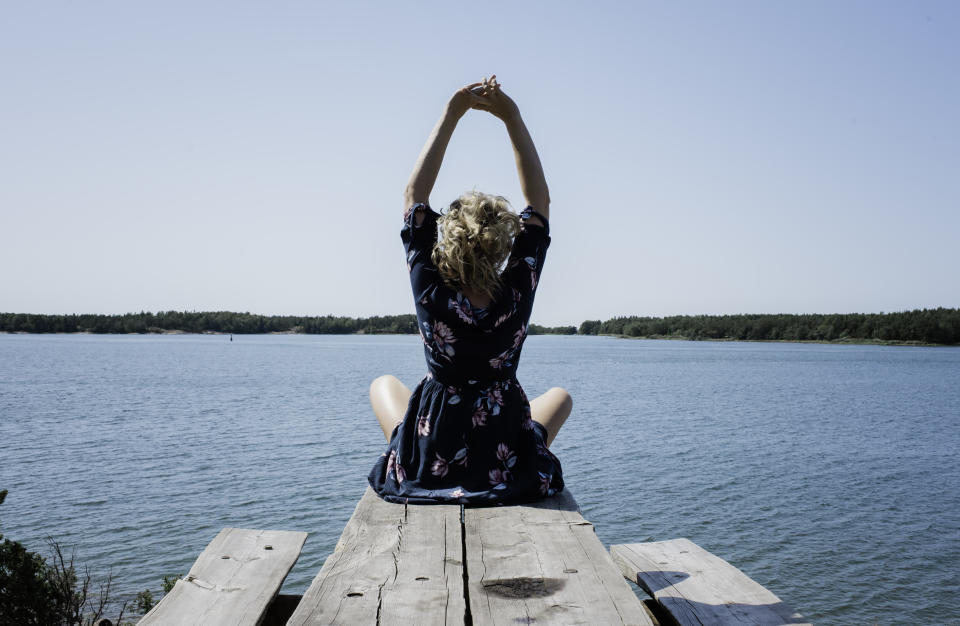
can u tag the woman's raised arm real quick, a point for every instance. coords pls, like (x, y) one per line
(532, 181)
(431, 157)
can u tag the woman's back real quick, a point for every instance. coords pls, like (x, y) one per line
(472, 439)
(463, 341)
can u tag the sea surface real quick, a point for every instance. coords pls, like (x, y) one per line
(828, 473)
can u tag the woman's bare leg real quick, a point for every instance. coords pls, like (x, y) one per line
(389, 398)
(551, 409)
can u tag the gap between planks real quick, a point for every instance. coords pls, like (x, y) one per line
(445, 564)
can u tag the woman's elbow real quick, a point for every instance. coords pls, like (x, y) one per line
(409, 197)
(541, 203)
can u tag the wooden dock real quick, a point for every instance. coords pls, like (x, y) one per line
(446, 564)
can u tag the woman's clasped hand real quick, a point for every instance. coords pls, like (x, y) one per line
(485, 95)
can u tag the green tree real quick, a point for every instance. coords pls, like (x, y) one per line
(590, 327)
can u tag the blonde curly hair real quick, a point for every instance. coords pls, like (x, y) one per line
(476, 236)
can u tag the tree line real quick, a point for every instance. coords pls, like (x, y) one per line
(931, 326)
(206, 322)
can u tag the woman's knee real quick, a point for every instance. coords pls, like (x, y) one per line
(562, 397)
(383, 382)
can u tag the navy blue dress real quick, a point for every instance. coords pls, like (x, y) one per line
(467, 436)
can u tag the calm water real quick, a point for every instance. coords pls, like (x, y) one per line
(827, 473)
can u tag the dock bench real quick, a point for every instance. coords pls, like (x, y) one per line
(234, 580)
(448, 564)
(696, 587)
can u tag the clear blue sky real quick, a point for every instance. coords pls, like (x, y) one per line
(702, 157)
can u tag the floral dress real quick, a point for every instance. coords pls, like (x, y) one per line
(467, 435)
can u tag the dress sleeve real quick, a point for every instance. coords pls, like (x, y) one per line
(418, 242)
(528, 254)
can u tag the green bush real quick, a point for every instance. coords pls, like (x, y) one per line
(144, 602)
(35, 592)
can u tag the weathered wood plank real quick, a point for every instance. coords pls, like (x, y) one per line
(394, 564)
(543, 563)
(697, 587)
(233, 581)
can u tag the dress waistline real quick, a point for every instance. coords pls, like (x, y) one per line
(479, 383)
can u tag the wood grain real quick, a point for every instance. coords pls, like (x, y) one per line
(233, 581)
(394, 564)
(697, 587)
(543, 563)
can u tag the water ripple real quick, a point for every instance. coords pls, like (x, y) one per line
(796, 463)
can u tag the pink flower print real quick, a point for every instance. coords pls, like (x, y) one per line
(494, 400)
(528, 424)
(423, 425)
(401, 473)
(503, 318)
(457, 493)
(443, 337)
(439, 467)
(544, 482)
(462, 310)
(496, 476)
(479, 417)
(442, 332)
(516, 295)
(506, 455)
(391, 461)
(454, 395)
(460, 458)
(498, 361)
(519, 335)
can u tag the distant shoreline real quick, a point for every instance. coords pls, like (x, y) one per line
(851, 342)
(921, 327)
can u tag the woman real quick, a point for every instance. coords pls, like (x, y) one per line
(467, 432)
